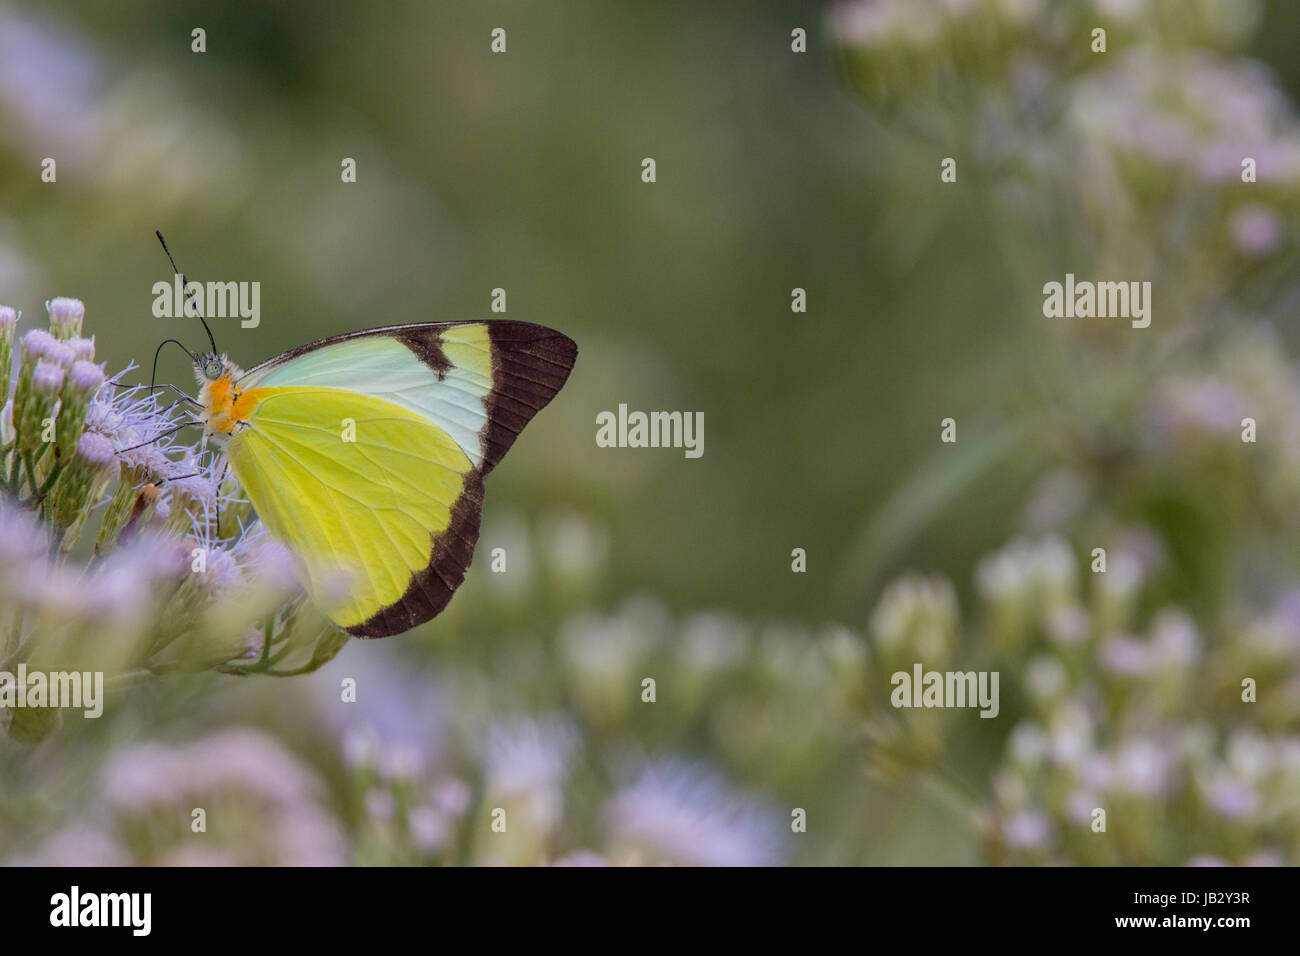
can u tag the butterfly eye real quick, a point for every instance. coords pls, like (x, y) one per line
(212, 369)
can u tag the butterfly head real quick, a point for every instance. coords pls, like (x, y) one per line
(209, 366)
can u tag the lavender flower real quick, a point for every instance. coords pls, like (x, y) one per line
(274, 795)
(192, 493)
(163, 588)
(83, 349)
(1027, 831)
(87, 474)
(1257, 231)
(65, 317)
(1125, 656)
(525, 767)
(678, 813)
(84, 379)
(47, 378)
(1231, 798)
(36, 410)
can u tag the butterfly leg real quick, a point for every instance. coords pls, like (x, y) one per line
(188, 398)
(185, 398)
(225, 463)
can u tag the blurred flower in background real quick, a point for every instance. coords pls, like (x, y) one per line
(233, 798)
(1101, 535)
(1165, 522)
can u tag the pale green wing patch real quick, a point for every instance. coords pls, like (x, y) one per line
(383, 367)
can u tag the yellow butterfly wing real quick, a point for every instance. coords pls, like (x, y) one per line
(366, 455)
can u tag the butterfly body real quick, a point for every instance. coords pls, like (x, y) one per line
(225, 409)
(366, 453)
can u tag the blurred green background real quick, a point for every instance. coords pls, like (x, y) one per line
(522, 172)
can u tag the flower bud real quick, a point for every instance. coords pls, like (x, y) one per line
(83, 349)
(37, 346)
(915, 621)
(33, 347)
(65, 317)
(84, 478)
(37, 408)
(117, 512)
(8, 324)
(60, 354)
(83, 381)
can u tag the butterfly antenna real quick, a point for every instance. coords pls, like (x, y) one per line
(154, 377)
(184, 283)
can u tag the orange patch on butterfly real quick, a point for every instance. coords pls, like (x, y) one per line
(227, 408)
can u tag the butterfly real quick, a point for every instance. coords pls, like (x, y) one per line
(365, 453)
